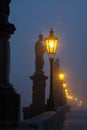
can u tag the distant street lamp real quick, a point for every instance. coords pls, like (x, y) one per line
(61, 77)
(51, 45)
(64, 85)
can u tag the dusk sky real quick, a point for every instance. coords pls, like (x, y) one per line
(68, 18)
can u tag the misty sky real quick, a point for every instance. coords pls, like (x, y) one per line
(69, 20)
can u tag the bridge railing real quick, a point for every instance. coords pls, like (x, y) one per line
(51, 120)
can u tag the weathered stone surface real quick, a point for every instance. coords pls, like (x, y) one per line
(51, 120)
(38, 96)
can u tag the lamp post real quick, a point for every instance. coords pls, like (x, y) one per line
(61, 76)
(51, 46)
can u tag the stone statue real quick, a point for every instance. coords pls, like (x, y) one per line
(39, 52)
(4, 11)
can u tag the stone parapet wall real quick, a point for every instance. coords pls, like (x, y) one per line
(51, 120)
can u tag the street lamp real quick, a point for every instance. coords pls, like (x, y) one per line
(64, 85)
(61, 75)
(51, 45)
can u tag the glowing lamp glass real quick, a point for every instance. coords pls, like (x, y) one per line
(61, 76)
(64, 85)
(51, 43)
(51, 46)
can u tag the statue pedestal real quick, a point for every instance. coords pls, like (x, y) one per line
(38, 96)
(9, 106)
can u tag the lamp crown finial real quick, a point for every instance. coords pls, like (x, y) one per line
(51, 32)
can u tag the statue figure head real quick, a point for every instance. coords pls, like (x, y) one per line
(7, 1)
(4, 11)
(40, 37)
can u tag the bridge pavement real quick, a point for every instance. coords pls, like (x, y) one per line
(76, 120)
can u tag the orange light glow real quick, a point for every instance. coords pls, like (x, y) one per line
(66, 90)
(51, 46)
(51, 43)
(64, 85)
(76, 99)
(61, 75)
